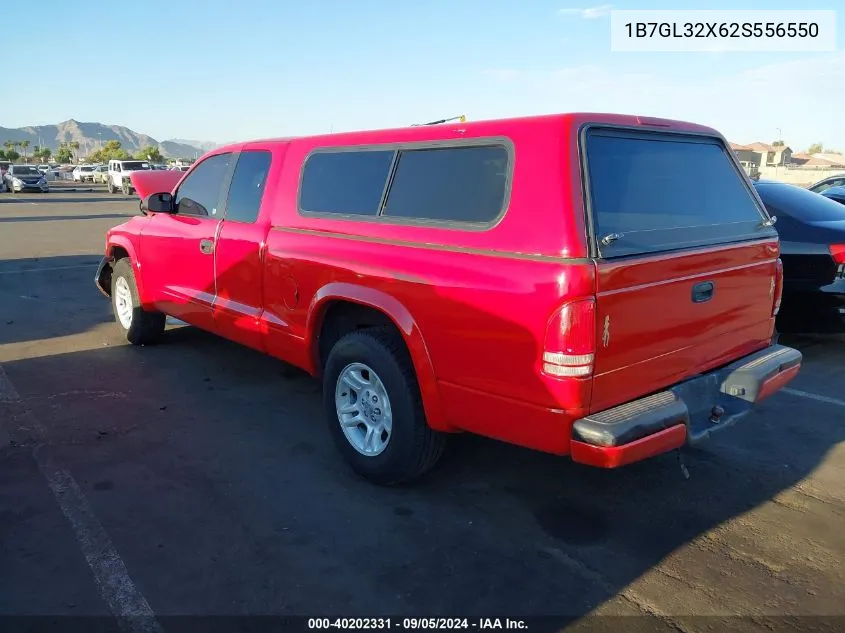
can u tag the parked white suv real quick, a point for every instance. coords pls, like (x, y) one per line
(119, 172)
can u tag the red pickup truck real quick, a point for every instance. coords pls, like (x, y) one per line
(598, 286)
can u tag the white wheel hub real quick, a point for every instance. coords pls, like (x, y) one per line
(123, 302)
(363, 409)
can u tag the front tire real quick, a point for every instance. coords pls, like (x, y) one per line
(374, 408)
(111, 187)
(139, 326)
(125, 188)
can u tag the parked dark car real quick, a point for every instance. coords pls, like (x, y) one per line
(812, 238)
(837, 194)
(823, 185)
(21, 178)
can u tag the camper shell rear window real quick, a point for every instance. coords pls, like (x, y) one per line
(651, 192)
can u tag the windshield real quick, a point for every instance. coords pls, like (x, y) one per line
(828, 184)
(25, 170)
(86, 169)
(134, 166)
(799, 203)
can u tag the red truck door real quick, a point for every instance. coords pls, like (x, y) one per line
(687, 260)
(238, 252)
(177, 250)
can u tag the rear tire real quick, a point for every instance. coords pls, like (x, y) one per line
(111, 186)
(411, 447)
(139, 326)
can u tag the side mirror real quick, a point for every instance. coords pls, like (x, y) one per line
(158, 203)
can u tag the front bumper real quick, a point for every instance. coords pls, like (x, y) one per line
(686, 413)
(30, 187)
(102, 278)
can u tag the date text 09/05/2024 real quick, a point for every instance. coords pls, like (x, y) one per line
(411, 624)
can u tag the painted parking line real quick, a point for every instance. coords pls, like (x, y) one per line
(813, 396)
(126, 603)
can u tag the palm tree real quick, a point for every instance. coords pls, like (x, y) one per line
(24, 146)
(74, 145)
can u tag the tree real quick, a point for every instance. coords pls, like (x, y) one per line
(24, 147)
(64, 154)
(150, 152)
(12, 155)
(111, 150)
(41, 153)
(777, 143)
(74, 145)
(815, 148)
(2, 154)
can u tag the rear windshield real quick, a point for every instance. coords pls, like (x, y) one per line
(799, 203)
(653, 192)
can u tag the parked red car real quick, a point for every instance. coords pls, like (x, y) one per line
(561, 282)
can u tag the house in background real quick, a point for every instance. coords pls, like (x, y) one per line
(819, 160)
(772, 155)
(749, 158)
(778, 162)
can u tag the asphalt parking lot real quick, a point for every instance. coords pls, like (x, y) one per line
(196, 477)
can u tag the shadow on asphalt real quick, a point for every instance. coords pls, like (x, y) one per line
(198, 450)
(51, 218)
(230, 447)
(40, 297)
(47, 198)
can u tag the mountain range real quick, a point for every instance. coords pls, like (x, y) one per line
(90, 136)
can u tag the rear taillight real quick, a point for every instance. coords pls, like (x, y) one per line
(838, 253)
(777, 291)
(570, 345)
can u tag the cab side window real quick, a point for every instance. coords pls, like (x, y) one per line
(200, 193)
(247, 186)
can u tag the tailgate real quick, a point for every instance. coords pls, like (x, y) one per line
(687, 264)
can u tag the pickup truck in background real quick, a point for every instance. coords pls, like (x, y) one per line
(547, 281)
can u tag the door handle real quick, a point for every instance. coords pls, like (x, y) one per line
(702, 292)
(207, 247)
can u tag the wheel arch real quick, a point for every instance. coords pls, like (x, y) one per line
(121, 247)
(339, 295)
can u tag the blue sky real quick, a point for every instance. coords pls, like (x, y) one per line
(235, 70)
